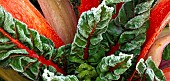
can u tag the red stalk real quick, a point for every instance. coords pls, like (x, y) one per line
(113, 49)
(159, 17)
(24, 11)
(87, 5)
(32, 53)
(118, 6)
(86, 54)
(61, 17)
(166, 72)
(159, 45)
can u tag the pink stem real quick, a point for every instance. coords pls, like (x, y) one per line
(157, 48)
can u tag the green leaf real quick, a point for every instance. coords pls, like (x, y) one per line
(149, 71)
(143, 7)
(118, 64)
(24, 48)
(166, 53)
(141, 67)
(6, 54)
(50, 76)
(62, 56)
(137, 21)
(86, 72)
(92, 24)
(115, 1)
(96, 33)
(129, 28)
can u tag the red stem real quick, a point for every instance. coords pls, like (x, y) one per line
(159, 17)
(86, 53)
(32, 53)
(24, 11)
(118, 6)
(87, 5)
(113, 49)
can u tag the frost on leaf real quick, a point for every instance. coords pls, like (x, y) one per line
(50, 76)
(148, 71)
(117, 64)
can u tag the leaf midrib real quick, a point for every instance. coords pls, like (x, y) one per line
(32, 53)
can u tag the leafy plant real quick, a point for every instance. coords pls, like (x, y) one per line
(104, 47)
(149, 71)
(49, 76)
(166, 53)
(25, 50)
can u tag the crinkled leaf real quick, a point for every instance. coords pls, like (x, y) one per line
(23, 49)
(149, 71)
(128, 29)
(118, 65)
(130, 34)
(92, 24)
(125, 30)
(96, 34)
(141, 67)
(143, 7)
(62, 56)
(86, 72)
(137, 21)
(50, 76)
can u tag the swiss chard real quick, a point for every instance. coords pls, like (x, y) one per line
(127, 31)
(92, 24)
(149, 71)
(25, 50)
(27, 13)
(118, 64)
(90, 56)
(86, 5)
(166, 53)
(61, 17)
(50, 76)
(157, 23)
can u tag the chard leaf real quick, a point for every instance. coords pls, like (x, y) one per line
(97, 33)
(149, 70)
(24, 49)
(118, 65)
(128, 29)
(84, 59)
(62, 56)
(166, 53)
(50, 76)
(86, 72)
(92, 24)
(115, 1)
(125, 34)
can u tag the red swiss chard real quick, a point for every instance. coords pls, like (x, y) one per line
(26, 51)
(160, 15)
(61, 17)
(26, 12)
(86, 5)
